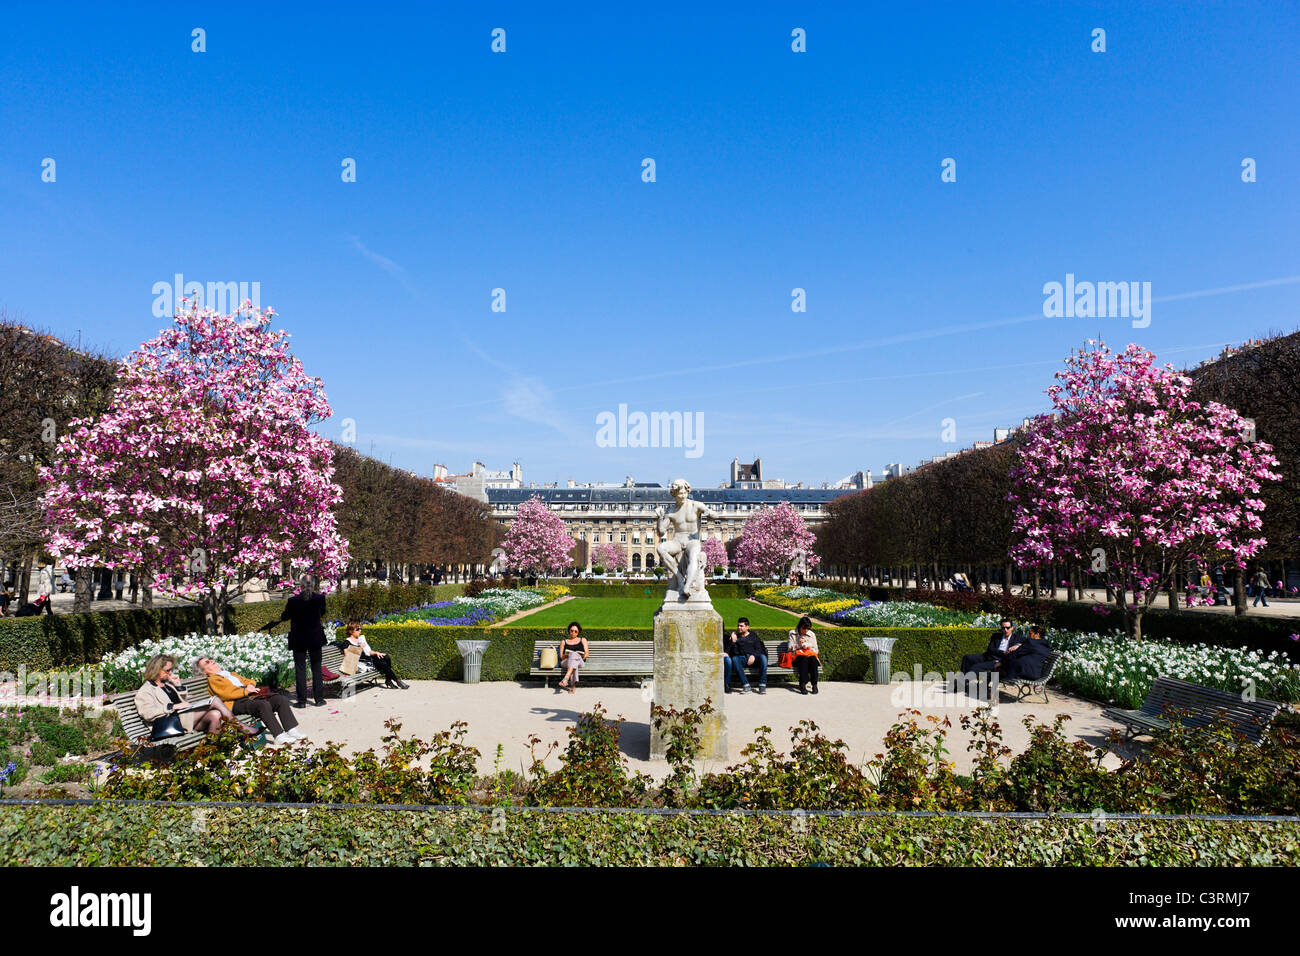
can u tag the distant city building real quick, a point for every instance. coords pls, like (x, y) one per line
(600, 513)
(480, 479)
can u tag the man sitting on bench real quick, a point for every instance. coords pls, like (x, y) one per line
(999, 644)
(743, 650)
(1027, 660)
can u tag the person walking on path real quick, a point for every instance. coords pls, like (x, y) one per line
(1261, 588)
(304, 612)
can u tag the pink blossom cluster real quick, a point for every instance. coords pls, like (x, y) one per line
(537, 542)
(770, 540)
(1129, 464)
(715, 553)
(203, 471)
(609, 556)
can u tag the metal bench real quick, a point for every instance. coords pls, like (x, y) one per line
(1198, 707)
(332, 657)
(137, 730)
(630, 659)
(1024, 686)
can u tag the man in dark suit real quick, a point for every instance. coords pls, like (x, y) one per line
(999, 645)
(304, 611)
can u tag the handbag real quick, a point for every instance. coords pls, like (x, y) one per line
(548, 660)
(351, 657)
(166, 727)
(786, 659)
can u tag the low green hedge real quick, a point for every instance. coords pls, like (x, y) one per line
(133, 834)
(657, 589)
(423, 653)
(73, 640)
(1252, 631)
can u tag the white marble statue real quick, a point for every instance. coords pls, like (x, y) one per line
(679, 550)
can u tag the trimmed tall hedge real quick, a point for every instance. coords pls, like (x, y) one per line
(110, 833)
(74, 640)
(424, 653)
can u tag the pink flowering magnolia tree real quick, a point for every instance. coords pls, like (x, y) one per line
(772, 541)
(715, 553)
(609, 556)
(1133, 480)
(537, 542)
(203, 472)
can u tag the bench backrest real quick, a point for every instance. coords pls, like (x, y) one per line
(607, 654)
(623, 654)
(1052, 660)
(133, 725)
(1204, 705)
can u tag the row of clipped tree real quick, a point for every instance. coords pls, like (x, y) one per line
(407, 523)
(1140, 478)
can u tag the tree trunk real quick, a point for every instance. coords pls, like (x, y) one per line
(1239, 592)
(135, 587)
(1137, 623)
(1006, 579)
(25, 578)
(146, 591)
(81, 592)
(1175, 585)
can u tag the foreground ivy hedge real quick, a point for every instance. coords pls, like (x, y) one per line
(136, 834)
(423, 652)
(73, 640)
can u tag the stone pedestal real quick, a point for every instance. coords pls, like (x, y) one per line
(688, 671)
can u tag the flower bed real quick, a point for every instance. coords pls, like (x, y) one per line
(251, 655)
(854, 611)
(491, 605)
(1112, 667)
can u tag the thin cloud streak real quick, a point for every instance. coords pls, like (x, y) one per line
(385, 263)
(863, 345)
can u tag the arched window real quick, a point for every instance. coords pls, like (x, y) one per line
(636, 562)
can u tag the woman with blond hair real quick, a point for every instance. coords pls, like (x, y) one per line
(163, 693)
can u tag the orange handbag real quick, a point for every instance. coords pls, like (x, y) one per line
(786, 659)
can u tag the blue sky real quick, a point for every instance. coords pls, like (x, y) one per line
(775, 170)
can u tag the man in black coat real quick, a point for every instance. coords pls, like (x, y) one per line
(304, 612)
(744, 649)
(999, 645)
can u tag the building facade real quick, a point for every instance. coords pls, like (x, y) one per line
(625, 516)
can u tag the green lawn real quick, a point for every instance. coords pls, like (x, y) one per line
(639, 612)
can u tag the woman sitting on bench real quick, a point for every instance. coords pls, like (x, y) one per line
(380, 662)
(164, 693)
(573, 656)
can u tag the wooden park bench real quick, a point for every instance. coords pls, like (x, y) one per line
(630, 659)
(1024, 686)
(332, 657)
(1198, 707)
(137, 730)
